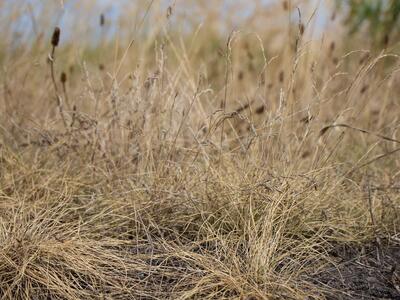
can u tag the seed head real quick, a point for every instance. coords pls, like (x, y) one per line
(285, 5)
(260, 110)
(324, 130)
(55, 39)
(169, 12)
(240, 75)
(63, 77)
(301, 28)
(332, 46)
(102, 20)
(364, 89)
(386, 40)
(281, 76)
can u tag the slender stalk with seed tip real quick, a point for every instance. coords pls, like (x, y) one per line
(55, 39)
(63, 79)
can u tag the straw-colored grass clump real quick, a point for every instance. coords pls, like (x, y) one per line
(197, 165)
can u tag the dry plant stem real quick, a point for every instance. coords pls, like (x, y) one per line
(386, 138)
(183, 121)
(64, 87)
(137, 27)
(5, 94)
(74, 112)
(373, 221)
(58, 97)
(227, 68)
(376, 158)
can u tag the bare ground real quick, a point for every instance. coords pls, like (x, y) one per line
(369, 271)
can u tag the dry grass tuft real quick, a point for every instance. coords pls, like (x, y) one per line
(189, 165)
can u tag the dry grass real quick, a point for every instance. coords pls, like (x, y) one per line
(190, 165)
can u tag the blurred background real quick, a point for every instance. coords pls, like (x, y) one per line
(136, 43)
(29, 18)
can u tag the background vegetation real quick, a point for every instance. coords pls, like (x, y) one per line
(380, 19)
(178, 152)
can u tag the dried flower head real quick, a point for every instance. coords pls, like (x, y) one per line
(364, 88)
(63, 77)
(386, 40)
(285, 5)
(260, 109)
(301, 28)
(240, 75)
(332, 46)
(169, 12)
(281, 76)
(55, 39)
(102, 20)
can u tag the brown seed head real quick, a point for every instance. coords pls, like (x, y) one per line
(301, 28)
(260, 110)
(285, 5)
(55, 39)
(332, 46)
(324, 130)
(240, 75)
(364, 89)
(63, 77)
(102, 20)
(169, 12)
(281, 76)
(386, 40)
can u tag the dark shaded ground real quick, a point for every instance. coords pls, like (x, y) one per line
(363, 272)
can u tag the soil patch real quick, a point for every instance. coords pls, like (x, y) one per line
(370, 271)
